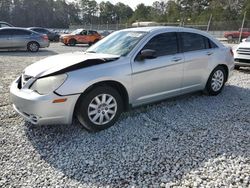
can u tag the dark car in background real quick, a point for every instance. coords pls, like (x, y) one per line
(15, 38)
(5, 24)
(53, 36)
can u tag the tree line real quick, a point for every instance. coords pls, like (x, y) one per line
(62, 13)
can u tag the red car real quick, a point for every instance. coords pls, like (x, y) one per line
(236, 34)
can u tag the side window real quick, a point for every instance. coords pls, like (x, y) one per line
(21, 32)
(193, 42)
(84, 32)
(4, 25)
(5, 32)
(163, 44)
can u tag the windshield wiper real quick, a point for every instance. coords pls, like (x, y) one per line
(90, 51)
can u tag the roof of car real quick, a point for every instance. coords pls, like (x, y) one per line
(2, 22)
(151, 28)
(20, 28)
(37, 28)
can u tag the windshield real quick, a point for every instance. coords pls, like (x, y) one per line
(75, 32)
(118, 43)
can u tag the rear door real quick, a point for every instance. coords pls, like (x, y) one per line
(198, 52)
(20, 38)
(5, 38)
(160, 77)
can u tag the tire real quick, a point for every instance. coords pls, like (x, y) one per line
(33, 46)
(56, 38)
(237, 67)
(72, 42)
(216, 81)
(100, 108)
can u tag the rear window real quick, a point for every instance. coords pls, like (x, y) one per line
(194, 42)
(92, 32)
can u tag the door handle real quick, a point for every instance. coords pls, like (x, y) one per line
(209, 53)
(176, 59)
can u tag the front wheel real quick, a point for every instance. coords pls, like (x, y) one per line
(99, 108)
(216, 81)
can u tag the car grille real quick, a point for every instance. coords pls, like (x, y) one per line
(23, 80)
(245, 51)
(242, 60)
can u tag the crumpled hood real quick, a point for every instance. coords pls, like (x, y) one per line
(59, 62)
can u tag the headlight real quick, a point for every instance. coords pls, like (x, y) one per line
(48, 84)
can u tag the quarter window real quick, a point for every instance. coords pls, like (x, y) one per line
(163, 44)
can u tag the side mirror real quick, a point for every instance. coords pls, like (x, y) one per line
(147, 54)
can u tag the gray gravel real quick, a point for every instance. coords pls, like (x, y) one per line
(189, 141)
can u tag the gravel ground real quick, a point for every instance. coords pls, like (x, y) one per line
(189, 141)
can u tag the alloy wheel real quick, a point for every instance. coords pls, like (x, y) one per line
(217, 80)
(102, 109)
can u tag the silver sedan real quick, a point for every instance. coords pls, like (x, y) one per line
(13, 37)
(126, 69)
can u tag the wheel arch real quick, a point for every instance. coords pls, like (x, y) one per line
(114, 84)
(225, 68)
(33, 41)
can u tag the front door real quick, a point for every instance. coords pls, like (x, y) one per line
(5, 38)
(159, 77)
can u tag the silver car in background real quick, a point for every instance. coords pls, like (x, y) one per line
(15, 38)
(128, 68)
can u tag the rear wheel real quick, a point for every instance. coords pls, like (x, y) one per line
(99, 108)
(216, 81)
(33, 46)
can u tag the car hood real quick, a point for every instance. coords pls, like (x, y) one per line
(62, 63)
(244, 45)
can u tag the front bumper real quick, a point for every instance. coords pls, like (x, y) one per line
(40, 109)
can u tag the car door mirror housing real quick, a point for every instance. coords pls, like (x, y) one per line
(147, 54)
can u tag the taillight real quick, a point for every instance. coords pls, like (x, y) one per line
(231, 51)
(45, 37)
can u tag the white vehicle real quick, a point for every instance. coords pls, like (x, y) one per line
(128, 68)
(242, 54)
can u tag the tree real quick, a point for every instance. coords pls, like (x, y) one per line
(122, 12)
(107, 12)
(88, 8)
(142, 13)
(5, 8)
